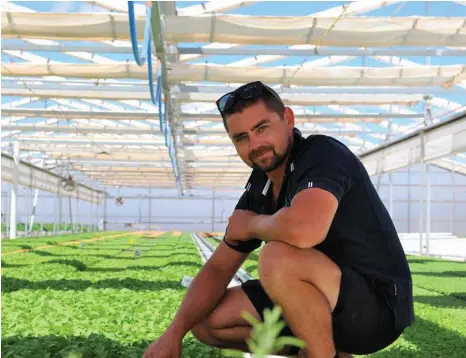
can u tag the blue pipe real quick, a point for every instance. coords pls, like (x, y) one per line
(156, 99)
(140, 59)
(153, 97)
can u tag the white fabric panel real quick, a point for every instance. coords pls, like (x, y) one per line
(72, 93)
(443, 141)
(240, 29)
(120, 70)
(37, 178)
(357, 31)
(72, 114)
(99, 26)
(288, 98)
(323, 76)
(317, 76)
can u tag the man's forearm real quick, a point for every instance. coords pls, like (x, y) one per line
(203, 295)
(278, 227)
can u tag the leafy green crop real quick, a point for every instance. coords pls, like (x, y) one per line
(48, 227)
(440, 308)
(31, 243)
(99, 300)
(265, 335)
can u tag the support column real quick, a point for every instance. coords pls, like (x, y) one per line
(453, 204)
(89, 214)
(60, 216)
(150, 209)
(428, 204)
(74, 215)
(8, 213)
(97, 217)
(421, 199)
(71, 214)
(14, 190)
(105, 212)
(425, 177)
(34, 205)
(77, 220)
(27, 212)
(41, 224)
(55, 214)
(409, 199)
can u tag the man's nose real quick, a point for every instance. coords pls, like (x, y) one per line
(254, 143)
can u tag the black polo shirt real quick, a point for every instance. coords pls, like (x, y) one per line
(362, 234)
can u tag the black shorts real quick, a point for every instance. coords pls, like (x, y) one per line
(362, 321)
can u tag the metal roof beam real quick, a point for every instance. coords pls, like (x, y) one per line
(321, 51)
(239, 51)
(156, 131)
(430, 143)
(330, 90)
(139, 115)
(65, 86)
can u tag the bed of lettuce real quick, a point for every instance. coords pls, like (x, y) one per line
(97, 299)
(440, 309)
(93, 295)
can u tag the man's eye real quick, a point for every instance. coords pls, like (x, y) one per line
(261, 128)
(239, 139)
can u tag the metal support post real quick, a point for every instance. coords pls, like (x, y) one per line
(55, 214)
(409, 199)
(74, 215)
(14, 190)
(421, 199)
(71, 214)
(60, 217)
(34, 205)
(89, 209)
(453, 203)
(78, 221)
(150, 209)
(27, 201)
(97, 217)
(41, 224)
(428, 202)
(105, 212)
(8, 215)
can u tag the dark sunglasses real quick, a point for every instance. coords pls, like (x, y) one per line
(248, 91)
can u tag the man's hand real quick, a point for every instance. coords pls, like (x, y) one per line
(164, 347)
(240, 225)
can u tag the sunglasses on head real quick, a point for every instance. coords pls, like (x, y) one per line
(247, 91)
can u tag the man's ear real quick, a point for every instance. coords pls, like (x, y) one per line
(288, 115)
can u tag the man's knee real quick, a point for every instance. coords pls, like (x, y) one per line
(280, 263)
(203, 333)
(274, 260)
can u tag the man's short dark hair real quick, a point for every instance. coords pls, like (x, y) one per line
(272, 103)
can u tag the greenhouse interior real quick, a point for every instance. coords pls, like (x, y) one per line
(119, 178)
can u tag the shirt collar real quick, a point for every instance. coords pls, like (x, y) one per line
(258, 182)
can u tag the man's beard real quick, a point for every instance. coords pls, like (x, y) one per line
(276, 160)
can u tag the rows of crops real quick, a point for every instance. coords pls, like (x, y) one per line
(97, 299)
(440, 308)
(110, 294)
(48, 227)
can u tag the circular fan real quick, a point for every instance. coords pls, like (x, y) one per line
(119, 201)
(68, 183)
